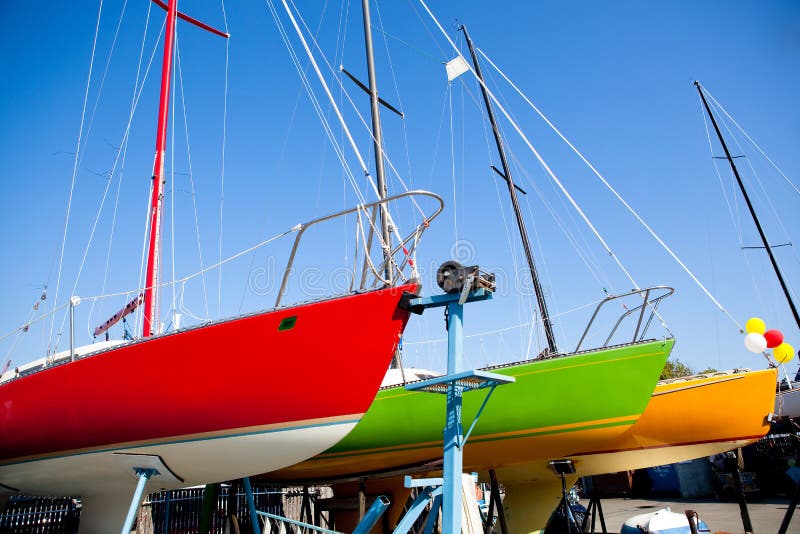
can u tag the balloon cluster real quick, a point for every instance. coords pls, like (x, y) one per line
(759, 339)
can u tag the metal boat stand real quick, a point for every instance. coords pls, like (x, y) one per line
(495, 502)
(272, 521)
(595, 511)
(784, 528)
(144, 467)
(447, 490)
(144, 474)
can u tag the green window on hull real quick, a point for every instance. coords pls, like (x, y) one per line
(287, 323)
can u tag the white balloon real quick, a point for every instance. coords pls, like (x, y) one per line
(755, 342)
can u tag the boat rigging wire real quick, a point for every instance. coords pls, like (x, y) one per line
(124, 149)
(542, 162)
(361, 118)
(172, 189)
(774, 165)
(54, 345)
(453, 160)
(328, 93)
(138, 320)
(318, 108)
(96, 222)
(191, 174)
(25, 326)
(533, 150)
(506, 328)
(764, 194)
(733, 211)
(582, 250)
(75, 170)
(127, 294)
(406, 146)
(222, 164)
(365, 169)
(526, 313)
(619, 198)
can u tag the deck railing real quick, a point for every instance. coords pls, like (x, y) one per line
(644, 312)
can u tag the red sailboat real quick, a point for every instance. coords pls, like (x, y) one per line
(209, 403)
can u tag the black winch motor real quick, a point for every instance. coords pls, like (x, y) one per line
(452, 277)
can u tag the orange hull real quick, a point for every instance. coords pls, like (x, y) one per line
(686, 419)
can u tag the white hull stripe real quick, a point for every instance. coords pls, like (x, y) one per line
(222, 434)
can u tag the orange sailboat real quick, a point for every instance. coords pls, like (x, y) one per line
(686, 418)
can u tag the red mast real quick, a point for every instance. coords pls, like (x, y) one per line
(153, 252)
(150, 294)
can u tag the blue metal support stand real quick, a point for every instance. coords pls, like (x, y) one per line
(431, 521)
(417, 507)
(374, 513)
(452, 487)
(251, 504)
(144, 475)
(454, 384)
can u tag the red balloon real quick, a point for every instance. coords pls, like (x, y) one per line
(774, 338)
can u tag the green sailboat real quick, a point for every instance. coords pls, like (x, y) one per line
(557, 407)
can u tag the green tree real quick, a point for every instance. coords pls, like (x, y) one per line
(675, 369)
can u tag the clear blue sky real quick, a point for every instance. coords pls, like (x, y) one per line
(616, 77)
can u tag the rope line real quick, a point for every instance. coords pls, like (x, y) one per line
(222, 165)
(75, 168)
(620, 199)
(533, 150)
(191, 173)
(774, 165)
(392, 226)
(183, 280)
(124, 150)
(507, 328)
(360, 116)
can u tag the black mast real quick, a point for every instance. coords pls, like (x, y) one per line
(512, 190)
(377, 135)
(750, 207)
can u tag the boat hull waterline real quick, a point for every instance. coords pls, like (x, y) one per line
(533, 417)
(689, 418)
(214, 402)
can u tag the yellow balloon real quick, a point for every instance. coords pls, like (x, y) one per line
(754, 324)
(783, 353)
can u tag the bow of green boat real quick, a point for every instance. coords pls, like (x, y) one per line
(557, 406)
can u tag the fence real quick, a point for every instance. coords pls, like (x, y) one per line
(166, 512)
(39, 515)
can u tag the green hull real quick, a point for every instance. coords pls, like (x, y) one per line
(556, 407)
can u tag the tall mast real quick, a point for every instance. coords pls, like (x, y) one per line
(750, 206)
(512, 190)
(377, 136)
(153, 252)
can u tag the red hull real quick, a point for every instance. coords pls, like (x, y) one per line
(230, 377)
